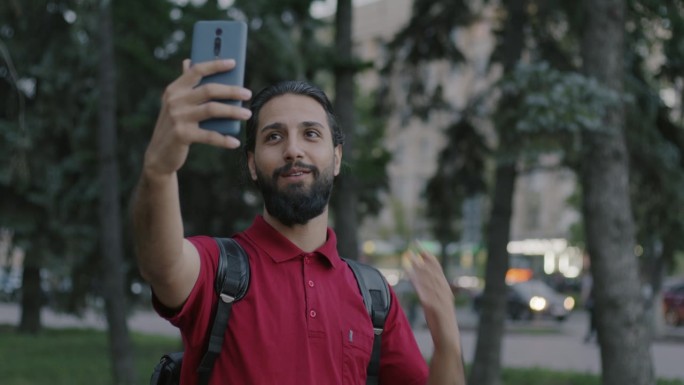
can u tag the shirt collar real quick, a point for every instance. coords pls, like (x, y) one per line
(280, 249)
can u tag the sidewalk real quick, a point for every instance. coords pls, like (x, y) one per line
(140, 321)
(543, 344)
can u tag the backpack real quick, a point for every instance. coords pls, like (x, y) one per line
(231, 284)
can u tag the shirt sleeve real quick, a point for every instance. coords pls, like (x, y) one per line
(401, 362)
(194, 317)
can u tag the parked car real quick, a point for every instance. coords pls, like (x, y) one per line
(533, 299)
(673, 304)
(10, 285)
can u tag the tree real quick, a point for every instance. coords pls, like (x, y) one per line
(427, 38)
(655, 141)
(487, 362)
(625, 345)
(44, 117)
(111, 241)
(460, 175)
(539, 110)
(346, 209)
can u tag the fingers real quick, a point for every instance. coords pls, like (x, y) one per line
(415, 260)
(184, 91)
(185, 104)
(184, 124)
(193, 73)
(216, 91)
(212, 138)
(421, 266)
(420, 257)
(406, 263)
(208, 110)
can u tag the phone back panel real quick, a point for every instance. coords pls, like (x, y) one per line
(221, 39)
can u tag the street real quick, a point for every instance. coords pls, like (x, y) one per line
(543, 344)
(550, 345)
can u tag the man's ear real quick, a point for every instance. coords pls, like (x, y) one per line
(337, 152)
(251, 166)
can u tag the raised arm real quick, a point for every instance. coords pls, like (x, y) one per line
(165, 259)
(434, 293)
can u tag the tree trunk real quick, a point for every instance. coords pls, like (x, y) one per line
(31, 298)
(621, 324)
(111, 248)
(486, 368)
(346, 213)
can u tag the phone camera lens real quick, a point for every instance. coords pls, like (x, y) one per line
(217, 46)
(219, 31)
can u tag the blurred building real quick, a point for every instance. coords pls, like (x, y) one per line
(541, 210)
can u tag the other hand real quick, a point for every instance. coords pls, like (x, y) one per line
(427, 276)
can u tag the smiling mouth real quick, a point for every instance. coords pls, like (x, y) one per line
(295, 173)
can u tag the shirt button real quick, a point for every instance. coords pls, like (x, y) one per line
(307, 260)
(312, 314)
(311, 283)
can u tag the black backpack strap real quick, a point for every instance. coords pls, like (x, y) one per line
(376, 297)
(231, 284)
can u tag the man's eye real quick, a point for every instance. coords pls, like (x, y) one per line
(273, 136)
(312, 134)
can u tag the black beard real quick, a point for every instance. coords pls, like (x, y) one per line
(294, 205)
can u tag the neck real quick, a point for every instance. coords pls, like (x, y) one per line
(307, 237)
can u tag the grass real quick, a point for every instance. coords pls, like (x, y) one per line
(72, 356)
(80, 356)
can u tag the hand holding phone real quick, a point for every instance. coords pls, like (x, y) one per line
(221, 39)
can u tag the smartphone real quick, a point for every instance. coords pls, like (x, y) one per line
(221, 39)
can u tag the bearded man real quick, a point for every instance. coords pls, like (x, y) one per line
(303, 320)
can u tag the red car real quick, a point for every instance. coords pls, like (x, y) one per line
(673, 304)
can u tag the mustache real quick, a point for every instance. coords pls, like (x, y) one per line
(286, 168)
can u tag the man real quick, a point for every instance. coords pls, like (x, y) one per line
(302, 320)
(587, 297)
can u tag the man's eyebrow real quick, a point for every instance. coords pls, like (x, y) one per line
(272, 126)
(311, 124)
(280, 125)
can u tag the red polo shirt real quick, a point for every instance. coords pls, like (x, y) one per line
(301, 322)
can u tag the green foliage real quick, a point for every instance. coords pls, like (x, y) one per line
(52, 141)
(428, 37)
(654, 127)
(552, 29)
(656, 148)
(654, 25)
(547, 100)
(429, 34)
(48, 109)
(460, 175)
(541, 109)
(284, 42)
(47, 115)
(370, 158)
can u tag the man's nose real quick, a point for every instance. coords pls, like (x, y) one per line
(293, 150)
